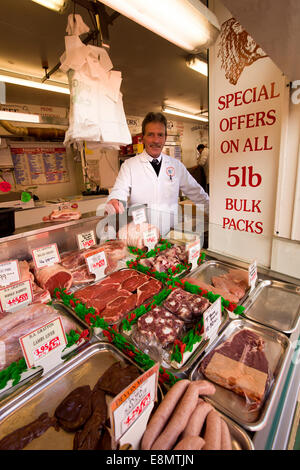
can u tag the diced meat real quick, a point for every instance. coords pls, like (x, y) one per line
(54, 276)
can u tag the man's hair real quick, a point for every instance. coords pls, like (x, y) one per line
(154, 117)
(200, 147)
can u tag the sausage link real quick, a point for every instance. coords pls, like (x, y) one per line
(195, 424)
(212, 435)
(181, 415)
(226, 443)
(190, 443)
(163, 413)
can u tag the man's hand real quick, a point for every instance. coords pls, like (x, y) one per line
(114, 206)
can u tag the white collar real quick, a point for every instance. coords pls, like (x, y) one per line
(149, 158)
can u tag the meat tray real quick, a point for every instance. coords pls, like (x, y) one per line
(82, 369)
(239, 438)
(30, 376)
(164, 356)
(211, 268)
(277, 348)
(274, 304)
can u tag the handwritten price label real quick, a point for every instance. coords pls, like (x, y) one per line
(16, 295)
(43, 346)
(9, 272)
(212, 318)
(150, 239)
(193, 250)
(252, 270)
(97, 263)
(135, 413)
(139, 216)
(45, 256)
(86, 240)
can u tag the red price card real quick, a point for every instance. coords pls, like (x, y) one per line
(15, 296)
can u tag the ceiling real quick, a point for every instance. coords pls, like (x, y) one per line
(153, 70)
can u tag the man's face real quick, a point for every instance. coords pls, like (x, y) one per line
(154, 138)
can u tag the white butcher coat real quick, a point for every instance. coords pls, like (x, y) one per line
(137, 183)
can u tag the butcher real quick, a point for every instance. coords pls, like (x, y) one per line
(154, 179)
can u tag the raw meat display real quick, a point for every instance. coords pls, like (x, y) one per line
(185, 305)
(161, 325)
(116, 378)
(112, 300)
(227, 283)
(25, 273)
(19, 323)
(75, 409)
(209, 288)
(133, 235)
(166, 259)
(53, 276)
(239, 364)
(63, 215)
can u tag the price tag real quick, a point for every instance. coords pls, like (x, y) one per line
(150, 239)
(212, 318)
(86, 240)
(133, 404)
(67, 205)
(194, 250)
(252, 270)
(9, 272)
(97, 263)
(15, 296)
(43, 346)
(45, 256)
(139, 216)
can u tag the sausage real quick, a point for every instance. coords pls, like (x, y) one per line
(182, 414)
(163, 413)
(212, 435)
(226, 443)
(190, 443)
(195, 424)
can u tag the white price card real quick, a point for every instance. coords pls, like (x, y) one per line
(45, 256)
(15, 296)
(194, 250)
(150, 239)
(9, 273)
(97, 263)
(132, 404)
(86, 240)
(212, 318)
(43, 346)
(139, 216)
(252, 270)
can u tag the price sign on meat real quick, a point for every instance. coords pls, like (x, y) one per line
(194, 253)
(150, 239)
(97, 263)
(9, 272)
(86, 240)
(252, 270)
(45, 256)
(132, 403)
(15, 296)
(139, 216)
(44, 344)
(212, 318)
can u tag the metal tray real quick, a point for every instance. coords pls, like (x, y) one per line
(211, 268)
(277, 347)
(274, 304)
(30, 376)
(73, 291)
(239, 437)
(83, 369)
(171, 367)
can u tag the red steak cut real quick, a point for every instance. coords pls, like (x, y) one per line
(147, 290)
(117, 310)
(134, 282)
(119, 276)
(81, 275)
(54, 276)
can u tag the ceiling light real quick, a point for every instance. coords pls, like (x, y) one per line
(185, 114)
(19, 117)
(34, 83)
(198, 65)
(187, 23)
(56, 5)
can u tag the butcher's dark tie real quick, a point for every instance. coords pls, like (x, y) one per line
(156, 165)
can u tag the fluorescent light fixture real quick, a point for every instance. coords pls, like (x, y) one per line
(19, 117)
(55, 5)
(34, 83)
(177, 112)
(187, 23)
(198, 65)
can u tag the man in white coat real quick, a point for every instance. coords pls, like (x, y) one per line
(154, 178)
